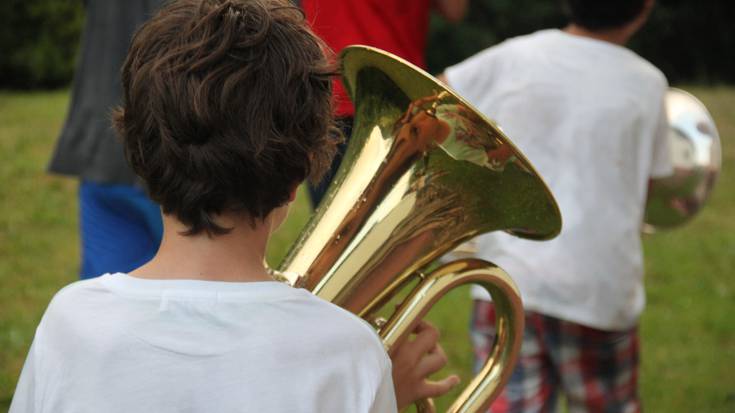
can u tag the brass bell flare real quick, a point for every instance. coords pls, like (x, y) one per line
(424, 172)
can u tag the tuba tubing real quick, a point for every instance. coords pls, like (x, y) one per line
(423, 172)
(478, 395)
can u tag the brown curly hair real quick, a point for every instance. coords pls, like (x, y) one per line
(226, 107)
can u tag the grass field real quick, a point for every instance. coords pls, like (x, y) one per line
(688, 328)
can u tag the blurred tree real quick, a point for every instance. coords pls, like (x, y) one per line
(690, 41)
(38, 42)
(487, 22)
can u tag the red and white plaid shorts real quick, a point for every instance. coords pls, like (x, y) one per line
(596, 370)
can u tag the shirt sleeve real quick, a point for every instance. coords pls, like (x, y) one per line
(472, 77)
(661, 165)
(27, 393)
(385, 397)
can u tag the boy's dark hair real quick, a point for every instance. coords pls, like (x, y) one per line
(602, 14)
(226, 108)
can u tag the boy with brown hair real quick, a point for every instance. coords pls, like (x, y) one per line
(226, 110)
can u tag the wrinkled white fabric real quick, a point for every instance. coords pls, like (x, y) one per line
(589, 115)
(123, 344)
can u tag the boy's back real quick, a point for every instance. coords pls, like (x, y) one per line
(589, 115)
(227, 108)
(191, 345)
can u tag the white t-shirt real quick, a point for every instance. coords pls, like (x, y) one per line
(590, 117)
(123, 344)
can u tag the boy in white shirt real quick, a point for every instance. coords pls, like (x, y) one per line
(589, 114)
(226, 110)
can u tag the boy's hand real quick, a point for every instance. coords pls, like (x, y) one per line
(414, 361)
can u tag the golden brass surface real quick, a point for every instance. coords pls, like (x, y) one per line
(509, 324)
(424, 172)
(696, 156)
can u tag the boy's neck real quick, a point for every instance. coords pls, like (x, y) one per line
(237, 256)
(619, 36)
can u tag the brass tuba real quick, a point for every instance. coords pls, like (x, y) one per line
(423, 172)
(696, 156)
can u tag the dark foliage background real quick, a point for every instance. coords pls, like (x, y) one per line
(692, 41)
(38, 42)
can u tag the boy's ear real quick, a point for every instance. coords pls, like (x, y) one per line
(292, 193)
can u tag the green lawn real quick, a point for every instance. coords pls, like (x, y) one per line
(688, 336)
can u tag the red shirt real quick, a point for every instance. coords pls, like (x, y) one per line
(397, 26)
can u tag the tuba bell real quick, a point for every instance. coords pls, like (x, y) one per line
(696, 156)
(423, 172)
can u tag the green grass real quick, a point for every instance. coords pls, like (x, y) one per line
(688, 335)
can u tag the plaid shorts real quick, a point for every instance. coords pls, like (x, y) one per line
(596, 370)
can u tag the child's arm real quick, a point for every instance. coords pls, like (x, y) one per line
(452, 10)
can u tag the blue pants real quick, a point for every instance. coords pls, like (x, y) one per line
(120, 228)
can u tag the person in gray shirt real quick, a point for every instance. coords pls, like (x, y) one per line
(120, 228)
